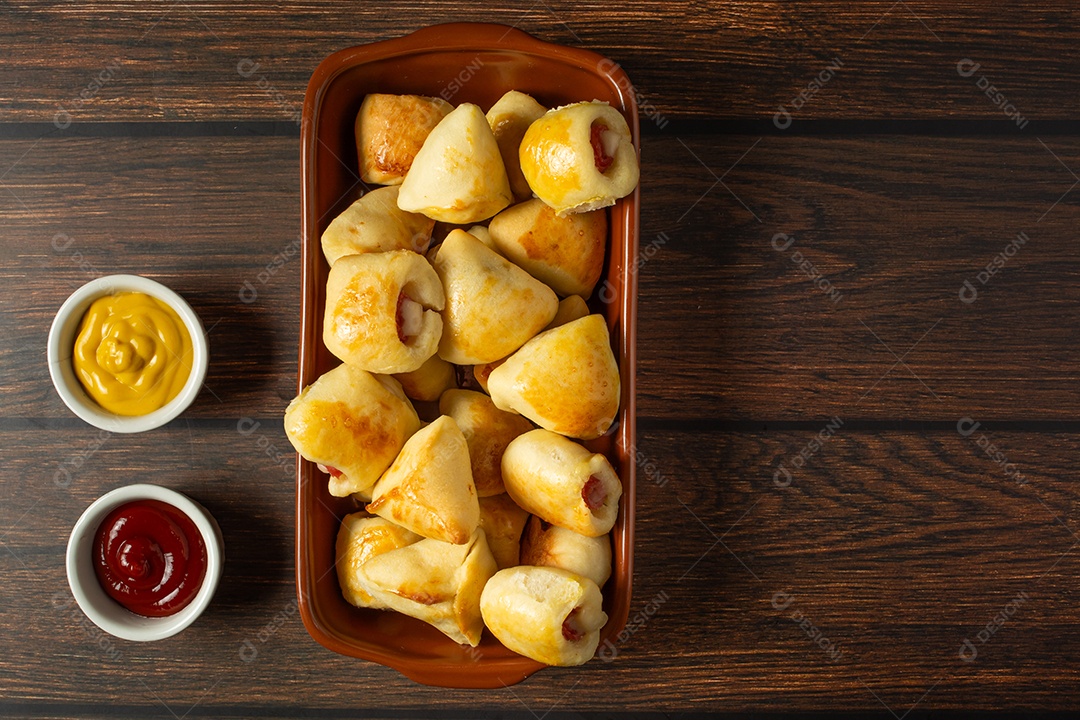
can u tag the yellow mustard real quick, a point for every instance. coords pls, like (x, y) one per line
(133, 353)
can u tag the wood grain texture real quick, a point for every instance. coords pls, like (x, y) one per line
(894, 546)
(179, 61)
(816, 530)
(895, 229)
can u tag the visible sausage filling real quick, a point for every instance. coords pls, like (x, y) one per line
(410, 318)
(593, 493)
(570, 629)
(604, 143)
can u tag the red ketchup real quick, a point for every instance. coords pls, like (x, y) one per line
(150, 557)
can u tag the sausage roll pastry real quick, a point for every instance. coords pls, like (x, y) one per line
(580, 157)
(550, 615)
(428, 382)
(549, 545)
(360, 538)
(374, 223)
(458, 176)
(562, 482)
(351, 423)
(429, 488)
(436, 582)
(571, 307)
(502, 520)
(382, 311)
(390, 130)
(487, 430)
(509, 118)
(492, 306)
(565, 379)
(566, 253)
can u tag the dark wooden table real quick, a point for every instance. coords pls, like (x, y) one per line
(858, 380)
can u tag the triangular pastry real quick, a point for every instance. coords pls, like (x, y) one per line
(565, 379)
(436, 582)
(429, 488)
(487, 430)
(492, 306)
(458, 175)
(360, 538)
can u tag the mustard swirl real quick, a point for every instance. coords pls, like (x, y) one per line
(133, 353)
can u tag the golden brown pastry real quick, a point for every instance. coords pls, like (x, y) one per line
(436, 582)
(488, 430)
(580, 157)
(492, 306)
(482, 371)
(566, 253)
(458, 176)
(360, 538)
(374, 223)
(571, 307)
(482, 234)
(428, 382)
(549, 545)
(509, 118)
(352, 424)
(390, 129)
(382, 311)
(565, 379)
(548, 614)
(502, 520)
(562, 482)
(428, 488)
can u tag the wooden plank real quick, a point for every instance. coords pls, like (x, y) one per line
(179, 61)
(895, 224)
(895, 546)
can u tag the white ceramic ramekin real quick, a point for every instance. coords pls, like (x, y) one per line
(61, 348)
(105, 612)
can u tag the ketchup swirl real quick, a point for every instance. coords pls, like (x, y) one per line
(150, 557)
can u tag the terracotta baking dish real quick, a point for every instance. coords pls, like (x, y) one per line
(463, 63)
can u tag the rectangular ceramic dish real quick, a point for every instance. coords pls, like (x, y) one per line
(462, 63)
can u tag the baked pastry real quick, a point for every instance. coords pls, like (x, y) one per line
(502, 521)
(492, 306)
(436, 582)
(549, 545)
(375, 223)
(548, 614)
(382, 311)
(562, 482)
(487, 430)
(571, 307)
(352, 424)
(482, 234)
(565, 379)
(509, 118)
(566, 253)
(360, 538)
(580, 157)
(428, 382)
(458, 176)
(428, 488)
(390, 130)
(482, 372)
